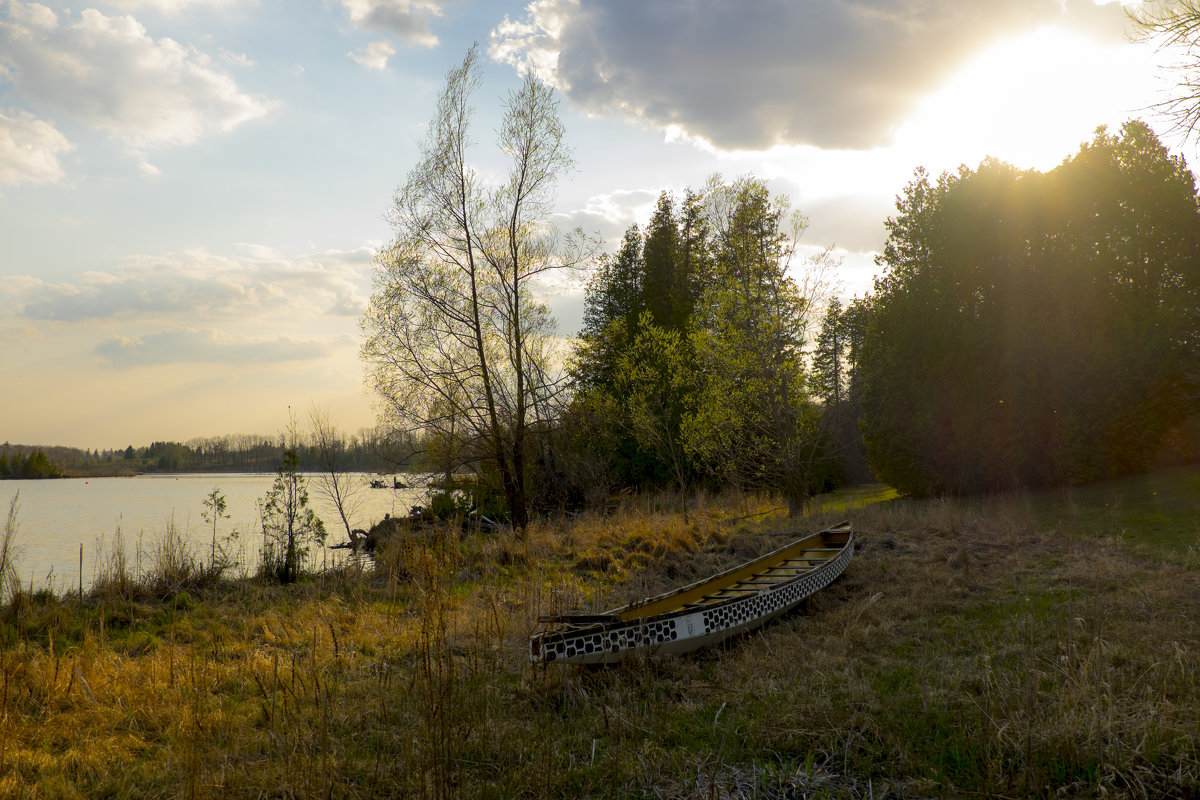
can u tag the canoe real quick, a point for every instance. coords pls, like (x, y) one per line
(703, 613)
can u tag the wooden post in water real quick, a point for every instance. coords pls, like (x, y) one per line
(81, 573)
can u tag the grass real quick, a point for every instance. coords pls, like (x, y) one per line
(996, 648)
(1157, 514)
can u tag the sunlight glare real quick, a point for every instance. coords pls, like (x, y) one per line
(1030, 100)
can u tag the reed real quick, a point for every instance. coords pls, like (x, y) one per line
(969, 649)
(9, 550)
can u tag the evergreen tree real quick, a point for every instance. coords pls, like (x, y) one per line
(290, 526)
(828, 363)
(752, 423)
(690, 359)
(693, 254)
(664, 287)
(1034, 329)
(613, 305)
(36, 466)
(654, 386)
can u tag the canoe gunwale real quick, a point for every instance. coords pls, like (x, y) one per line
(609, 637)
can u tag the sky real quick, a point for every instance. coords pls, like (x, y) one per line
(192, 191)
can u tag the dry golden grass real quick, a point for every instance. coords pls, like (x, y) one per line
(965, 651)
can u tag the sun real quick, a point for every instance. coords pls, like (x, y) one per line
(1031, 100)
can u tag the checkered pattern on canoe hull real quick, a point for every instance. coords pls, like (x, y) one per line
(683, 631)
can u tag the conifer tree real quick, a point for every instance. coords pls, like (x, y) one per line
(613, 305)
(663, 287)
(752, 423)
(1035, 329)
(828, 363)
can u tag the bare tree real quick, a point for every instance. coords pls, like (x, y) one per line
(335, 482)
(1175, 26)
(456, 345)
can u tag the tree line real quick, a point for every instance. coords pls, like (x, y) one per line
(34, 465)
(368, 450)
(1036, 329)
(1027, 329)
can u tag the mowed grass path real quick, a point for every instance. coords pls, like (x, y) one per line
(1015, 647)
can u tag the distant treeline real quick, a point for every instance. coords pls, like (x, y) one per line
(31, 466)
(367, 451)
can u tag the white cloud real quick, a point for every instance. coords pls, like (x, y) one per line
(375, 55)
(197, 285)
(29, 150)
(609, 214)
(851, 222)
(752, 76)
(109, 74)
(204, 346)
(148, 169)
(407, 20)
(170, 6)
(237, 59)
(533, 44)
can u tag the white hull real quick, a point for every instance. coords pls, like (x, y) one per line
(729, 609)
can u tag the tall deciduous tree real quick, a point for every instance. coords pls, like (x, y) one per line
(456, 344)
(1175, 26)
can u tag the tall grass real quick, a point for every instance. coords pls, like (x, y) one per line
(9, 551)
(968, 649)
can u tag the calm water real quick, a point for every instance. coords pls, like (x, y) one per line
(55, 517)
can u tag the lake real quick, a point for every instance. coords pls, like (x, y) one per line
(55, 517)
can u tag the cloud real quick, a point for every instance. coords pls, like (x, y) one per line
(610, 214)
(375, 55)
(567, 309)
(205, 347)
(108, 74)
(29, 150)
(197, 285)
(170, 6)
(18, 334)
(852, 222)
(407, 20)
(830, 73)
(237, 59)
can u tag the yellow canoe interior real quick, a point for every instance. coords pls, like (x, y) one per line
(779, 566)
